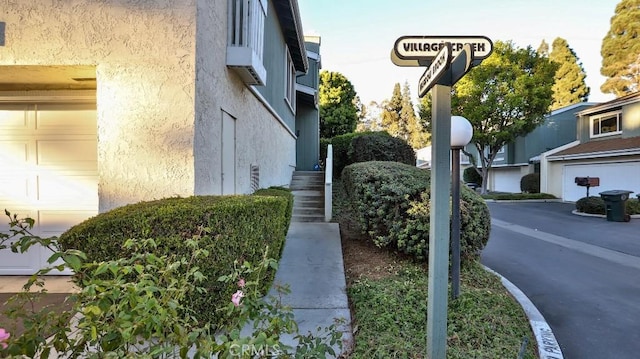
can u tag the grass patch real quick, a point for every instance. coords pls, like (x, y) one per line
(390, 316)
(503, 196)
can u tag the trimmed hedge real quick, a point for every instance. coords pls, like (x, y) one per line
(530, 183)
(591, 204)
(376, 147)
(281, 192)
(238, 228)
(341, 145)
(391, 203)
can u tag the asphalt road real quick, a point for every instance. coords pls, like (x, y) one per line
(582, 273)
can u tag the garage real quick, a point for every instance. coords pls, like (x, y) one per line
(506, 179)
(48, 155)
(618, 175)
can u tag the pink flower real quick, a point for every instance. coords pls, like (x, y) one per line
(4, 335)
(236, 297)
(241, 283)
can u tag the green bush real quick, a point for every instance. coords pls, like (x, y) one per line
(591, 204)
(281, 192)
(377, 147)
(341, 145)
(391, 203)
(470, 175)
(633, 206)
(530, 183)
(231, 228)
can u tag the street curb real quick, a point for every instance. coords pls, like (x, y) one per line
(575, 211)
(548, 347)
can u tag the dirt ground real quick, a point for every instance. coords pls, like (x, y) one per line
(362, 258)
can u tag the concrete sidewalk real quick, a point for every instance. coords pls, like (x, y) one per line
(312, 267)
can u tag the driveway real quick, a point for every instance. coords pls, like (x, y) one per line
(582, 273)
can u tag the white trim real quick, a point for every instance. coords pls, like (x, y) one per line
(275, 114)
(290, 81)
(604, 106)
(306, 89)
(601, 154)
(76, 96)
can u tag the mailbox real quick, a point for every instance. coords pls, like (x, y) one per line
(588, 181)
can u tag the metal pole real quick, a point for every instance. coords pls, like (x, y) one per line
(439, 219)
(455, 223)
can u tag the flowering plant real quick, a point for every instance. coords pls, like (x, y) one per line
(133, 308)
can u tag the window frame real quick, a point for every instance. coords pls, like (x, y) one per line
(290, 81)
(600, 118)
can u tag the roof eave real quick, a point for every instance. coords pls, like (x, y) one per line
(289, 16)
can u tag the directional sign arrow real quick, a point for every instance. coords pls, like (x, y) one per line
(460, 65)
(439, 66)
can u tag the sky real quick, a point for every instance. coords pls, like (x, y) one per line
(357, 36)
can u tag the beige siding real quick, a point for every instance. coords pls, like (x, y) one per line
(143, 55)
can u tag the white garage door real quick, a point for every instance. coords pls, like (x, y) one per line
(48, 156)
(623, 175)
(507, 179)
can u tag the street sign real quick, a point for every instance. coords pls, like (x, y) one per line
(439, 66)
(407, 49)
(460, 65)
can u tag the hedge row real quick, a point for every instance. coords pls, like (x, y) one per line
(391, 202)
(237, 228)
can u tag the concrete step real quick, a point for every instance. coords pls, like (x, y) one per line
(307, 218)
(308, 211)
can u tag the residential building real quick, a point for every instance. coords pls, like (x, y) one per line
(521, 157)
(106, 103)
(607, 146)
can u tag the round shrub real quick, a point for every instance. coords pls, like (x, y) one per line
(530, 183)
(376, 147)
(391, 202)
(470, 175)
(591, 205)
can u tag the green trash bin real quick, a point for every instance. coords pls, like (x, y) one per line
(615, 202)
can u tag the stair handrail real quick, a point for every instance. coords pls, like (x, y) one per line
(328, 185)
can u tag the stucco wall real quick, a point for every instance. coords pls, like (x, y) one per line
(143, 52)
(261, 139)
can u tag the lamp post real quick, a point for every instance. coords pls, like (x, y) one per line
(461, 133)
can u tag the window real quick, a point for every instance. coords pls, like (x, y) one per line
(500, 154)
(290, 82)
(606, 124)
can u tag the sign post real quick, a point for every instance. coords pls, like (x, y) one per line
(440, 76)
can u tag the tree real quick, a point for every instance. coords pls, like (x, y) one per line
(543, 49)
(369, 117)
(569, 85)
(507, 96)
(399, 118)
(338, 105)
(621, 50)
